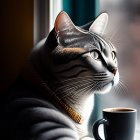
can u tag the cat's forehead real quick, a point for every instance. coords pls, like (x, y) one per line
(95, 41)
(103, 44)
(85, 40)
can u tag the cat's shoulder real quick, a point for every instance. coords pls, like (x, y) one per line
(36, 116)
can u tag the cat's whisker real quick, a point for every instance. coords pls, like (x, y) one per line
(122, 89)
(91, 89)
(100, 75)
(83, 90)
(77, 78)
(125, 89)
(94, 86)
(114, 90)
(69, 92)
(100, 85)
(74, 87)
(79, 92)
(117, 90)
(123, 84)
(103, 75)
(102, 80)
(75, 83)
(72, 92)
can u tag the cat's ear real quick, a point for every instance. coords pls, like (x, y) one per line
(99, 25)
(63, 22)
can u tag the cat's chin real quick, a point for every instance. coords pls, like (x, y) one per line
(105, 89)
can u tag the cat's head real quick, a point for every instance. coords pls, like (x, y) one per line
(83, 61)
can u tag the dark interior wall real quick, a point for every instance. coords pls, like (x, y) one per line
(16, 38)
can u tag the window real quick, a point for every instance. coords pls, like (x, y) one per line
(45, 12)
(125, 34)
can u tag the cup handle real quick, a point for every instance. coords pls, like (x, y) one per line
(96, 126)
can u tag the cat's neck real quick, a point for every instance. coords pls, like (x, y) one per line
(83, 105)
(85, 108)
(81, 108)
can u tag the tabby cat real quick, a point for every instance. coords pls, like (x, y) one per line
(64, 72)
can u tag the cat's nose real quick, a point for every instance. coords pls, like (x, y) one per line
(114, 70)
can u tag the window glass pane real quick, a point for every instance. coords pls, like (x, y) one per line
(124, 32)
(81, 12)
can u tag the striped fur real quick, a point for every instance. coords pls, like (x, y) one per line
(66, 63)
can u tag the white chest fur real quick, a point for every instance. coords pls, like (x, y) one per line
(86, 113)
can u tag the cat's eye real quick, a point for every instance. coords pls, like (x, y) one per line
(113, 55)
(95, 55)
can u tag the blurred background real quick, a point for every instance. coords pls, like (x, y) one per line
(24, 23)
